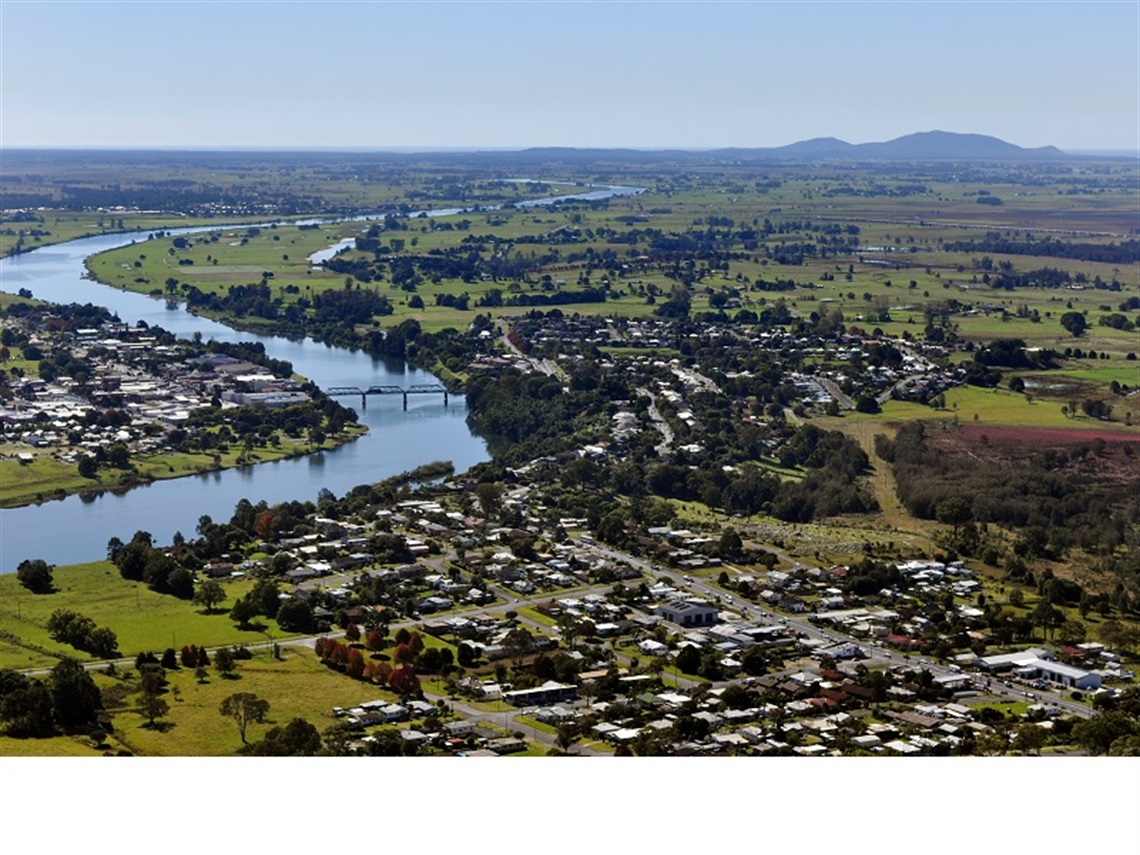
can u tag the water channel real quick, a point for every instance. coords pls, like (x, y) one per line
(78, 528)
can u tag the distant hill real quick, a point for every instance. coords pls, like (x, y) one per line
(928, 145)
(943, 145)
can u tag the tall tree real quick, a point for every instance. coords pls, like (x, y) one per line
(244, 708)
(209, 594)
(224, 661)
(75, 697)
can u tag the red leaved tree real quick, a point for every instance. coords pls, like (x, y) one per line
(404, 681)
(403, 654)
(354, 665)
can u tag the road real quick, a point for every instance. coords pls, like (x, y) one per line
(542, 366)
(666, 445)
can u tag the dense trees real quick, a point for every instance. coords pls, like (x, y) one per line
(80, 631)
(298, 738)
(1053, 510)
(35, 575)
(26, 708)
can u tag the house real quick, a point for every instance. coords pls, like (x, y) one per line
(652, 648)
(550, 692)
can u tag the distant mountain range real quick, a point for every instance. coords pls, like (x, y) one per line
(924, 146)
(928, 145)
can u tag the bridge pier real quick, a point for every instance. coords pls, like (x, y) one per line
(405, 399)
(445, 397)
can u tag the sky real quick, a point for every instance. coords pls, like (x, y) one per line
(470, 74)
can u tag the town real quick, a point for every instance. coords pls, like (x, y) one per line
(84, 392)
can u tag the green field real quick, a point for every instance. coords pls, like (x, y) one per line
(296, 686)
(141, 619)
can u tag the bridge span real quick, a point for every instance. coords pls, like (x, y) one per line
(418, 389)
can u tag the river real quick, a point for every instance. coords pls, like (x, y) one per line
(78, 528)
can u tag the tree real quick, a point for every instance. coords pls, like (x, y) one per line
(180, 583)
(1074, 322)
(244, 708)
(730, 545)
(35, 575)
(954, 511)
(295, 615)
(1046, 616)
(404, 682)
(489, 496)
(209, 594)
(298, 738)
(1031, 738)
(103, 642)
(354, 668)
(689, 659)
(1097, 734)
(152, 706)
(567, 735)
(25, 705)
(224, 661)
(88, 467)
(244, 610)
(374, 640)
(467, 655)
(518, 644)
(75, 697)
(753, 662)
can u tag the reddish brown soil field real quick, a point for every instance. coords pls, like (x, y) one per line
(1035, 438)
(1074, 451)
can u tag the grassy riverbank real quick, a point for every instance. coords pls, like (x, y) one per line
(46, 477)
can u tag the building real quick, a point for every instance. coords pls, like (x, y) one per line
(1008, 661)
(688, 612)
(548, 693)
(1057, 672)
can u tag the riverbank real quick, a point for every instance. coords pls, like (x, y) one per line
(45, 478)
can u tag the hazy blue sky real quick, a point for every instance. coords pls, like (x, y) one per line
(516, 74)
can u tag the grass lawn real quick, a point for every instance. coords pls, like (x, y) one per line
(1014, 708)
(297, 686)
(140, 618)
(537, 616)
(535, 724)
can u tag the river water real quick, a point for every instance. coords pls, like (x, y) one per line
(77, 529)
